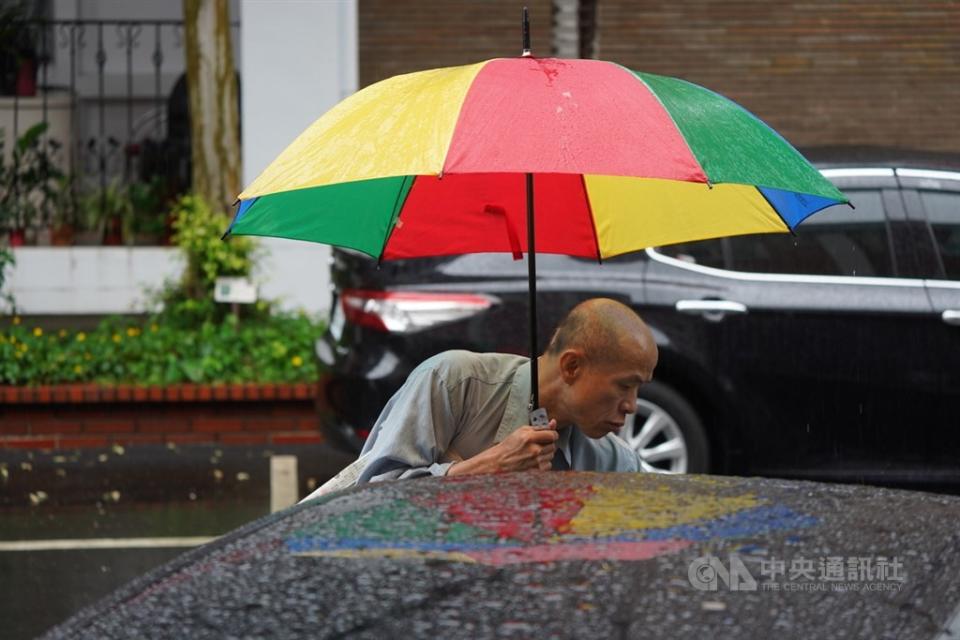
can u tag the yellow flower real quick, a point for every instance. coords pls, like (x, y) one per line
(62, 333)
(87, 356)
(133, 332)
(37, 331)
(78, 369)
(154, 328)
(81, 336)
(3, 339)
(24, 347)
(117, 338)
(16, 319)
(296, 361)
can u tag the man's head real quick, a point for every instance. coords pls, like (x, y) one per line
(596, 361)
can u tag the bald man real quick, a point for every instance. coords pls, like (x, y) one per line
(461, 413)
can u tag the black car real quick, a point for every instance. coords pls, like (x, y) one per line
(831, 354)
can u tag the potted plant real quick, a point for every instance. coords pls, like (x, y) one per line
(18, 49)
(27, 182)
(109, 212)
(63, 224)
(150, 211)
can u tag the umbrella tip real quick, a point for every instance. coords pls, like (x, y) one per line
(526, 34)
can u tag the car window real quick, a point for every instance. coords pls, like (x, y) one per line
(708, 253)
(839, 241)
(943, 212)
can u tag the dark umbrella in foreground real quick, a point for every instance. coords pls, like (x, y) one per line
(459, 160)
(563, 555)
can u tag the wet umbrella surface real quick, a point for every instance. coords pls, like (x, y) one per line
(567, 554)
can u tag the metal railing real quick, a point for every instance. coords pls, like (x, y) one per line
(116, 90)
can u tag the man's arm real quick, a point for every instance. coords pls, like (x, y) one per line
(418, 424)
(414, 429)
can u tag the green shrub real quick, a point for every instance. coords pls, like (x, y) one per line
(190, 339)
(275, 348)
(199, 231)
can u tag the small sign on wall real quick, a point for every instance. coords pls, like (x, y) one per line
(235, 290)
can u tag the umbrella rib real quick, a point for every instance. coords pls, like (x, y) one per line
(593, 223)
(401, 199)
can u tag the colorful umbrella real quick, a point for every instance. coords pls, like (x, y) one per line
(456, 160)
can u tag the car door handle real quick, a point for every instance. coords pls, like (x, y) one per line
(951, 317)
(713, 310)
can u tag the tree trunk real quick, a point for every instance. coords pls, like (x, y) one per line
(212, 89)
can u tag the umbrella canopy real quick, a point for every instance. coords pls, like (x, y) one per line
(445, 161)
(434, 163)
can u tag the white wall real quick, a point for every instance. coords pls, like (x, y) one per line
(299, 59)
(89, 280)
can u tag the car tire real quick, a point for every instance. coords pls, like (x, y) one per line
(676, 421)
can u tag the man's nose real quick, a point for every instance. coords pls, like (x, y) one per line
(629, 404)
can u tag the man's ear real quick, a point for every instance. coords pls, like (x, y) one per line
(571, 365)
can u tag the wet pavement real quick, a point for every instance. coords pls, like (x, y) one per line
(560, 555)
(153, 473)
(112, 496)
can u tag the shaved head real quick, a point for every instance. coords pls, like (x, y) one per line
(603, 329)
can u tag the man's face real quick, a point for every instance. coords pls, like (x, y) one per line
(605, 392)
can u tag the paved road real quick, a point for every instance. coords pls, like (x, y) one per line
(559, 555)
(67, 518)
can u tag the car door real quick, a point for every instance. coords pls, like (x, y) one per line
(813, 336)
(933, 198)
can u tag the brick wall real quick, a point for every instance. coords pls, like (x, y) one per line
(73, 416)
(883, 73)
(400, 36)
(823, 72)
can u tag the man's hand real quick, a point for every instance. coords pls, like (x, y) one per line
(526, 448)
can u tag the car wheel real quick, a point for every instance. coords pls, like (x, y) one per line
(666, 432)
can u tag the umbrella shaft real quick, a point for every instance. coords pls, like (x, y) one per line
(532, 280)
